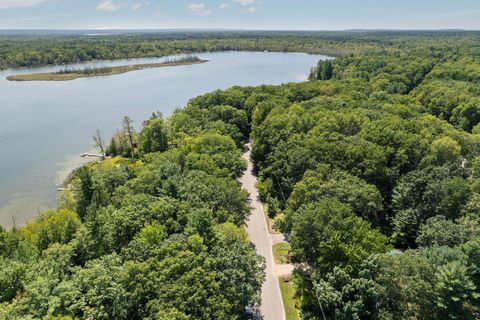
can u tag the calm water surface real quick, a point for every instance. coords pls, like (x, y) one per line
(45, 126)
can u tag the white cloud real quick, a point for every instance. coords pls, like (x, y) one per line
(245, 2)
(252, 9)
(108, 5)
(224, 6)
(199, 9)
(138, 5)
(7, 4)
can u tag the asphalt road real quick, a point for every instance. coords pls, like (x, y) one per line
(272, 304)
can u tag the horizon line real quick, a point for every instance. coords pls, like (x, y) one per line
(238, 29)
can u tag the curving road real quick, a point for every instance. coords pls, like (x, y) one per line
(272, 305)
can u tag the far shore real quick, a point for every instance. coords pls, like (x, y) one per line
(54, 76)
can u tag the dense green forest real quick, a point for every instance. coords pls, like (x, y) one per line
(49, 50)
(372, 168)
(31, 50)
(152, 236)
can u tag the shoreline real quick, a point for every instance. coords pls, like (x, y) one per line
(52, 76)
(95, 61)
(25, 212)
(26, 205)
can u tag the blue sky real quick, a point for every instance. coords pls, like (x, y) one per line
(243, 14)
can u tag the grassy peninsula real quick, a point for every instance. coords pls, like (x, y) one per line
(68, 74)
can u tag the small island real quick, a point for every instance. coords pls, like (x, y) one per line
(68, 74)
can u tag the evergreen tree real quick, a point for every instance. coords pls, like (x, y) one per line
(84, 191)
(112, 148)
(323, 71)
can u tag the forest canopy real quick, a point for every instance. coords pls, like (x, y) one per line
(19, 49)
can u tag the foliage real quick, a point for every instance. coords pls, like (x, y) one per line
(323, 71)
(158, 233)
(438, 231)
(345, 298)
(20, 50)
(154, 135)
(326, 234)
(52, 227)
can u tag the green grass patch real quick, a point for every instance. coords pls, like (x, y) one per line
(280, 252)
(288, 296)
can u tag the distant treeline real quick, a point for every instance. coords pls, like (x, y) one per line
(17, 51)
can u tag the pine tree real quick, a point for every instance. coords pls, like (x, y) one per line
(112, 148)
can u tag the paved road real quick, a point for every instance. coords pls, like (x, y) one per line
(257, 229)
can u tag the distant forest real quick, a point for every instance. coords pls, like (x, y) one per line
(372, 168)
(33, 49)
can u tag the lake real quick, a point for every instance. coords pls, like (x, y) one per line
(45, 126)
